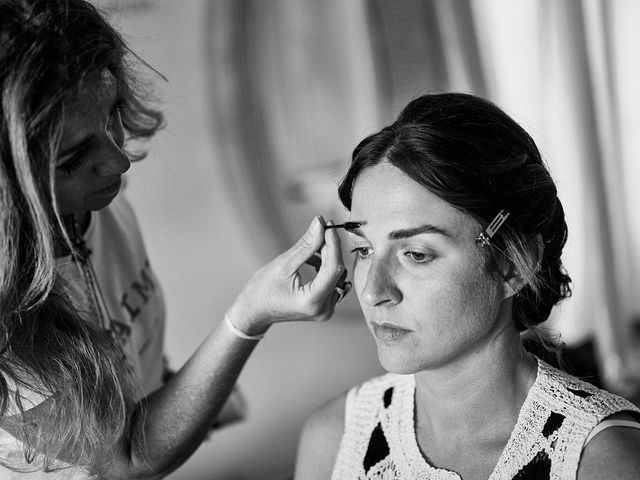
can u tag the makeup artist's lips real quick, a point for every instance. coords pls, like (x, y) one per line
(110, 189)
(389, 332)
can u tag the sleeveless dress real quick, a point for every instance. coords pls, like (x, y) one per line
(559, 412)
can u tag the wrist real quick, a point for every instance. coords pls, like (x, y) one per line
(245, 322)
(239, 333)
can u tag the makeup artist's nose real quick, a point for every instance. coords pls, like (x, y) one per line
(113, 161)
(380, 288)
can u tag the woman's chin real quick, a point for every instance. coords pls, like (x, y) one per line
(394, 363)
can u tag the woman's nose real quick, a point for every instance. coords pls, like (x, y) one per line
(380, 287)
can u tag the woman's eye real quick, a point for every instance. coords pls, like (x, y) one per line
(419, 257)
(362, 252)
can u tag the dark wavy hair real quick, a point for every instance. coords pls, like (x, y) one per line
(50, 50)
(472, 155)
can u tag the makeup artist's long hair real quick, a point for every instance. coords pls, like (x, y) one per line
(471, 154)
(49, 51)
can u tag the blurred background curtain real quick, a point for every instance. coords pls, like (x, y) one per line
(295, 84)
(568, 70)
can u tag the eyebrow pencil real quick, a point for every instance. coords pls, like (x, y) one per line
(346, 226)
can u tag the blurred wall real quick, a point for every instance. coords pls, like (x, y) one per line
(202, 255)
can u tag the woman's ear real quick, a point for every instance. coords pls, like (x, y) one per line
(513, 280)
(516, 274)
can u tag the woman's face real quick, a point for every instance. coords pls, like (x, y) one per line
(89, 169)
(418, 275)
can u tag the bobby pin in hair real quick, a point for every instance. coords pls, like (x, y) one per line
(483, 239)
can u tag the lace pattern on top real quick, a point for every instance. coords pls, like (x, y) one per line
(379, 441)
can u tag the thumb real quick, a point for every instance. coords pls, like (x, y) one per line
(306, 246)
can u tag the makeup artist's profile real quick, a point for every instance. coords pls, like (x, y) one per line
(84, 392)
(458, 235)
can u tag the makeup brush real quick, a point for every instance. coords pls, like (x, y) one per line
(346, 226)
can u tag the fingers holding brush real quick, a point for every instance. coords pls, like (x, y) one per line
(342, 286)
(277, 292)
(316, 259)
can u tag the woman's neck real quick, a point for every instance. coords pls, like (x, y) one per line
(478, 392)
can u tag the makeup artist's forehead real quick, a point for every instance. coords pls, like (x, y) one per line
(385, 197)
(90, 108)
(99, 92)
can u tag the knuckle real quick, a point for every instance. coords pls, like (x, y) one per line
(313, 309)
(305, 242)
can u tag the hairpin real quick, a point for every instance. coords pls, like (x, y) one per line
(483, 239)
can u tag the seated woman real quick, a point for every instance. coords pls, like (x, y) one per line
(457, 256)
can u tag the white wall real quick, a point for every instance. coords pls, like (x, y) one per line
(202, 257)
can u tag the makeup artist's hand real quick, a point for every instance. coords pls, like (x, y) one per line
(276, 293)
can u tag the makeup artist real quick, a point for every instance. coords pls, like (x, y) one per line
(82, 316)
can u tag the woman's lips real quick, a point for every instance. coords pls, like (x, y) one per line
(389, 332)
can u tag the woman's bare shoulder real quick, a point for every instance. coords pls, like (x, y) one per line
(612, 453)
(329, 416)
(320, 440)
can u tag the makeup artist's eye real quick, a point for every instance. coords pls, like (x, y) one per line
(75, 161)
(118, 106)
(72, 165)
(362, 252)
(115, 117)
(115, 129)
(116, 114)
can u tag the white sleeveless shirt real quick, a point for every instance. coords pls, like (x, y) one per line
(559, 412)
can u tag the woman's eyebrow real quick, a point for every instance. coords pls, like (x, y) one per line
(408, 232)
(411, 232)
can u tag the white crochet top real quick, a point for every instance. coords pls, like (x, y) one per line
(379, 440)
